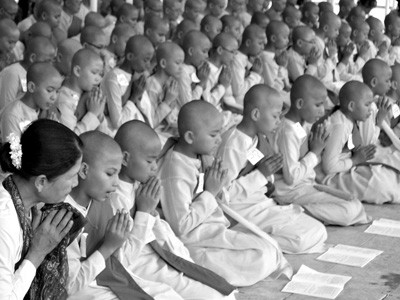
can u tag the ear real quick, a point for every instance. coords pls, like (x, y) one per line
(129, 56)
(31, 87)
(325, 28)
(40, 183)
(114, 39)
(207, 28)
(372, 32)
(32, 57)
(84, 170)
(59, 56)
(299, 103)
(122, 19)
(255, 114)
(219, 50)
(273, 38)
(189, 137)
(247, 43)
(374, 81)
(125, 158)
(351, 106)
(394, 85)
(190, 51)
(355, 32)
(43, 16)
(76, 70)
(390, 27)
(299, 43)
(147, 33)
(163, 63)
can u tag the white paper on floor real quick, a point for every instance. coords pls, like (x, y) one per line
(386, 227)
(349, 255)
(312, 283)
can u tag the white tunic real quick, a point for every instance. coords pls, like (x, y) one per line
(12, 84)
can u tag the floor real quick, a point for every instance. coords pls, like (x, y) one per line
(378, 280)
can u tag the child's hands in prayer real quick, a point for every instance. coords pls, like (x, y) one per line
(95, 104)
(318, 139)
(313, 56)
(225, 77)
(171, 92)
(117, 231)
(215, 178)
(203, 72)
(257, 65)
(363, 154)
(282, 59)
(363, 50)
(383, 49)
(148, 196)
(332, 48)
(270, 165)
(48, 234)
(384, 107)
(137, 90)
(347, 52)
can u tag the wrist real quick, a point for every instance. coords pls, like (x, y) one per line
(105, 251)
(35, 259)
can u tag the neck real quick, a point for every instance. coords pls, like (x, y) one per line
(244, 50)
(294, 116)
(80, 196)
(319, 32)
(68, 11)
(161, 76)
(185, 148)
(297, 50)
(270, 47)
(348, 115)
(111, 48)
(123, 176)
(27, 99)
(27, 192)
(125, 66)
(25, 64)
(73, 83)
(247, 127)
(394, 94)
(215, 60)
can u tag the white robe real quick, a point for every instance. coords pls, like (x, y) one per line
(295, 183)
(12, 84)
(82, 275)
(187, 92)
(375, 184)
(139, 258)
(288, 225)
(236, 254)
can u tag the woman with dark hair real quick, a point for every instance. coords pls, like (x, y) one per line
(44, 165)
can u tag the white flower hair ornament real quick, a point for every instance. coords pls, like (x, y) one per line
(16, 150)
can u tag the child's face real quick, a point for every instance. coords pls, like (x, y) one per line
(142, 163)
(120, 43)
(256, 5)
(362, 107)
(91, 75)
(236, 30)
(98, 44)
(344, 36)
(238, 6)
(195, 13)
(376, 33)
(46, 92)
(383, 83)
(293, 20)
(333, 29)
(200, 52)
(206, 140)
(102, 176)
(73, 5)
(47, 55)
(173, 12)
(345, 6)
(173, 64)
(307, 43)
(278, 5)
(269, 118)
(394, 29)
(282, 39)
(141, 61)
(9, 11)
(217, 7)
(214, 28)
(229, 51)
(53, 17)
(57, 190)
(8, 41)
(257, 45)
(157, 35)
(313, 107)
(361, 35)
(131, 18)
(312, 15)
(154, 8)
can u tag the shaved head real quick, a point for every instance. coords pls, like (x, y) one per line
(40, 72)
(195, 115)
(301, 32)
(194, 38)
(328, 18)
(260, 96)
(352, 91)
(138, 44)
(135, 135)
(167, 51)
(7, 26)
(252, 32)
(85, 57)
(304, 86)
(66, 51)
(40, 29)
(374, 68)
(98, 147)
(275, 27)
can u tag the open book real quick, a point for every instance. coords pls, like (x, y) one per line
(349, 255)
(312, 283)
(385, 227)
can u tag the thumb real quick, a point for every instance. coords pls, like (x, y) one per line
(36, 217)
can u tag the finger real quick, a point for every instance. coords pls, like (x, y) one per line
(66, 229)
(120, 223)
(36, 217)
(58, 217)
(67, 217)
(114, 221)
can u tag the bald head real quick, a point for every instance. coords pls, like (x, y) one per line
(224, 40)
(195, 115)
(374, 68)
(261, 96)
(123, 30)
(352, 91)
(40, 72)
(138, 44)
(99, 147)
(168, 50)
(95, 19)
(85, 57)
(252, 32)
(329, 18)
(135, 136)
(305, 86)
(275, 27)
(7, 26)
(194, 38)
(39, 49)
(325, 6)
(91, 35)
(8, 9)
(66, 50)
(40, 29)
(396, 74)
(301, 32)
